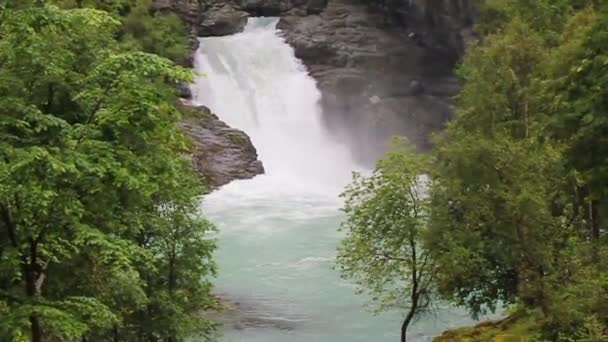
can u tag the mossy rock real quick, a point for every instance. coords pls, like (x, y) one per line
(509, 338)
(518, 327)
(238, 139)
(190, 112)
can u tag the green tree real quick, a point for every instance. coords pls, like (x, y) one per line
(163, 34)
(142, 28)
(386, 215)
(492, 229)
(39, 209)
(546, 17)
(182, 254)
(574, 88)
(496, 77)
(518, 193)
(490, 215)
(91, 157)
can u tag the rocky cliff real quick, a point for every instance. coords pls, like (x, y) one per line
(383, 71)
(384, 67)
(220, 153)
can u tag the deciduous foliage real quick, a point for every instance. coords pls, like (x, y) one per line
(518, 195)
(142, 28)
(386, 217)
(99, 232)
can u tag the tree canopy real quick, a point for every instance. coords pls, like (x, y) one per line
(518, 198)
(100, 233)
(382, 251)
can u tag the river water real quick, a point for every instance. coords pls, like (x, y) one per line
(278, 232)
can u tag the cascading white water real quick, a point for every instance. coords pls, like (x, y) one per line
(278, 232)
(254, 83)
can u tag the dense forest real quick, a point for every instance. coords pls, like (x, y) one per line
(513, 210)
(100, 236)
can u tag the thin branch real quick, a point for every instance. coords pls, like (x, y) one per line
(429, 279)
(388, 257)
(414, 268)
(7, 217)
(50, 97)
(414, 202)
(96, 108)
(424, 261)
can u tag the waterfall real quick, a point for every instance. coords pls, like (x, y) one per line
(253, 82)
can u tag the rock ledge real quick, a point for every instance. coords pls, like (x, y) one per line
(220, 153)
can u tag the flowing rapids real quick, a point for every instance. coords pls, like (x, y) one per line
(278, 232)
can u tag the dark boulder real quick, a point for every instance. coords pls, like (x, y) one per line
(220, 153)
(315, 6)
(188, 10)
(221, 21)
(183, 91)
(266, 8)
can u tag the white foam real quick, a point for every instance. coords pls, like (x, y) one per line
(253, 82)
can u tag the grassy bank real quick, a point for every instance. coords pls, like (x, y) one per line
(517, 327)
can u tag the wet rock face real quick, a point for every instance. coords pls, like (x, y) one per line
(266, 7)
(444, 25)
(221, 154)
(281, 7)
(381, 74)
(224, 17)
(222, 20)
(206, 17)
(188, 10)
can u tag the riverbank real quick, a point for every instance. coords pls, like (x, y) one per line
(517, 327)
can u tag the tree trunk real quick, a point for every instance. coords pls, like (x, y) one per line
(35, 329)
(33, 284)
(31, 271)
(171, 276)
(414, 294)
(405, 324)
(527, 121)
(172, 281)
(594, 220)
